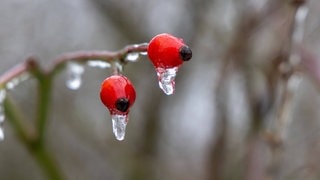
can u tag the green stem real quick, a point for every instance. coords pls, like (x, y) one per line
(35, 147)
(45, 89)
(15, 119)
(46, 161)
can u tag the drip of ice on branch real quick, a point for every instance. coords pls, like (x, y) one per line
(144, 53)
(132, 57)
(117, 67)
(144, 45)
(17, 80)
(74, 75)
(2, 113)
(98, 64)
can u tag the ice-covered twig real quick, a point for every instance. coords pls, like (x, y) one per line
(79, 56)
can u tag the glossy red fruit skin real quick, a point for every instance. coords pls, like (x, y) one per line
(163, 51)
(114, 88)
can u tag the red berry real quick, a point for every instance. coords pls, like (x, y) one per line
(117, 94)
(167, 51)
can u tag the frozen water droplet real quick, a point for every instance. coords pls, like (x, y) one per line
(166, 78)
(12, 84)
(2, 115)
(74, 73)
(119, 123)
(134, 56)
(1, 133)
(17, 80)
(2, 118)
(144, 53)
(2, 95)
(117, 67)
(99, 64)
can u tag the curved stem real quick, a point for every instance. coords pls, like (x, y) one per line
(44, 89)
(46, 162)
(35, 142)
(34, 145)
(15, 119)
(79, 56)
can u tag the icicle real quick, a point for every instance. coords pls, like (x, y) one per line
(99, 64)
(119, 123)
(2, 115)
(166, 79)
(74, 73)
(132, 57)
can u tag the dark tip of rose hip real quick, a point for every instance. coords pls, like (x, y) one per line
(185, 53)
(122, 104)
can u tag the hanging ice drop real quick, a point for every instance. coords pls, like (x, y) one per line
(99, 64)
(143, 53)
(166, 78)
(1, 133)
(74, 73)
(119, 123)
(17, 80)
(132, 57)
(2, 95)
(2, 118)
(2, 115)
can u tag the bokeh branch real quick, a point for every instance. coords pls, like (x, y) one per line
(34, 142)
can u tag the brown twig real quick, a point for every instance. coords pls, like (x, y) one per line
(289, 82)
(79, 56)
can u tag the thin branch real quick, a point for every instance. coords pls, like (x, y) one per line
(80, 56)
(100, 55)
(16, 71)
(290, 79)
(35, 144)
(16, 121)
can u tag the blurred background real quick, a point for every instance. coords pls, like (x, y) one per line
(245, 106)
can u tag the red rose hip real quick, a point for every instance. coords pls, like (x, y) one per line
(167, 51)
(117, 94)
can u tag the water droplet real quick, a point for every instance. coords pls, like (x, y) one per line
(74, 73)
(117, 67)
(1, 133)
(99, 64)
(17, 80)
(119, 123)
(2, 118)
(144, 53)
(2, 115)
(132, 57)
(166, 79)
(2, 95)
